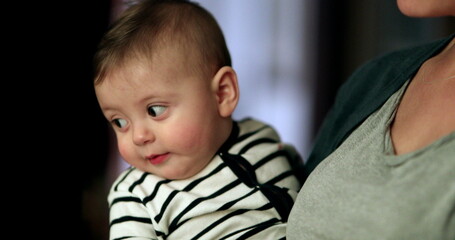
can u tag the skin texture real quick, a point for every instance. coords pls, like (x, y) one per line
(168, 119)
(426, 113)
(427, 8)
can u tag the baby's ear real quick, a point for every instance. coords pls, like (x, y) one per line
(226, 88)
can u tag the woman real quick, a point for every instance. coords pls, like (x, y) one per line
(385, 154)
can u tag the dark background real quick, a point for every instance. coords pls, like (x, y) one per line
(57, 140)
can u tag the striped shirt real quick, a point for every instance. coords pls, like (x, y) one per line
(245, 192)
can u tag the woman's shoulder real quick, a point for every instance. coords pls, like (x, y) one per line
(386, 73)
(401, 63)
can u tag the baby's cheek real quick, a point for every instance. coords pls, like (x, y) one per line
(125, 152)
(188, 138)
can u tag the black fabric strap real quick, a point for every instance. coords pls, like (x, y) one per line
(278, 197)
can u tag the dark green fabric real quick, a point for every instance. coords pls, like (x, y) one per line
(364, 92)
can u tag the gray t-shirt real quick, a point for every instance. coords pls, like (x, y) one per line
(363, 191)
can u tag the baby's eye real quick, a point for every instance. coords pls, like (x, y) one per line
(156, 110)
(120, 123)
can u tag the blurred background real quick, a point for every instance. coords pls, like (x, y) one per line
(290, 55)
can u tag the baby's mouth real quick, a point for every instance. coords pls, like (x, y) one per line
(156, 159)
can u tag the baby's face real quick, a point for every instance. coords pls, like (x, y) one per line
(165, 117)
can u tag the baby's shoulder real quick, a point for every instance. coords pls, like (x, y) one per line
(254, 128)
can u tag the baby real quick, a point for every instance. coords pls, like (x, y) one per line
(164, 80)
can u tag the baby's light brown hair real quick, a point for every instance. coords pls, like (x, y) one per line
(150, 25)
